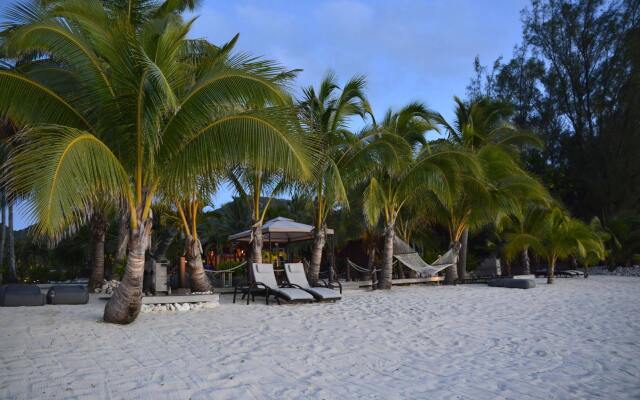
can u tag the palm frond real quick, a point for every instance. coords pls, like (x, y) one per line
(62, 172)
(26, 102)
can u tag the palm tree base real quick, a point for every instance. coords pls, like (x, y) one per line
(124, 306)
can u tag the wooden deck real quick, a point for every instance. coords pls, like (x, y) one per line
(395, 282)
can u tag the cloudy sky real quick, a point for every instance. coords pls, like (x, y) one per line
(409, 50)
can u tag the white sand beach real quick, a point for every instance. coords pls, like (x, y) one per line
(575, 339)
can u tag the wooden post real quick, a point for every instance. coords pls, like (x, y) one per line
(183, 273)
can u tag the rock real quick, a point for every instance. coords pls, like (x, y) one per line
(182, 306)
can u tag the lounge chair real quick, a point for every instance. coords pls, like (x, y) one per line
(264, 280)
(297, 278)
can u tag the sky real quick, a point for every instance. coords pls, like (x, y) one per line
(420, 50)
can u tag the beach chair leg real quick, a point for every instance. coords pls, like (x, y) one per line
(249, 296)
(235, 292)
(278, 300)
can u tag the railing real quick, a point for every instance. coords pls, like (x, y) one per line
(227, 274)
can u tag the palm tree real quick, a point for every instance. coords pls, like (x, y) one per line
(592, 256)
(3, 206)
(99, 226)
(11, 245)
(622, 238)
(7, 130)
(123, 236)
(522, 220)
(400, 167)
(481, 123)
(556, 236)
(3, 230)
(498, 186)
(128, 110)
(189, 207)
(326, 114)
(252, 185)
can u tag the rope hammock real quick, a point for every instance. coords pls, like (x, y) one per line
(416, 263)
(411, 259)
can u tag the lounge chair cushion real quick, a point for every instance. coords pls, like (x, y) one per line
(17, 295)
(264, 273)
(513, 283)
(292, 294)
(295, 275)
(322, 293)
(68, 294)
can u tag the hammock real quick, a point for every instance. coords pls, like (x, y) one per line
(411, 259)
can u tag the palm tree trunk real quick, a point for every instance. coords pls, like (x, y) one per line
(462, 258)
(3, 231)
(319, 240)
(551, 272)
(451, 273)
(162, 244)
(11, 253)
(574, 262)
(198, 279)
(371, 258)
(123, 307)
(99, 231)
(387, 258)
(123, 237)
(256, 242)
(526, 262)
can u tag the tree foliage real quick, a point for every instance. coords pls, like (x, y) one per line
(575, 81)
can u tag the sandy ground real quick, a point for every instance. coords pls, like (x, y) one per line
(575, 339)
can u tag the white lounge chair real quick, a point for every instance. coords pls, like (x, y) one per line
(297, 278)
(264, 279)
